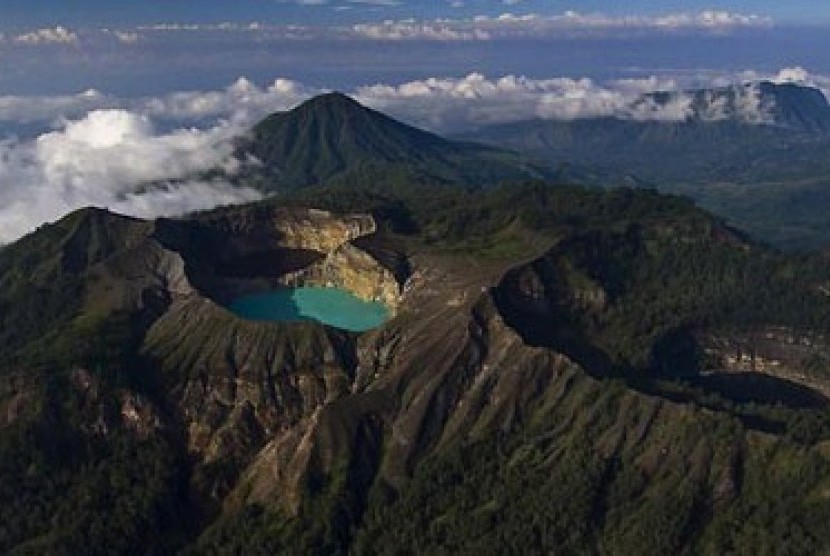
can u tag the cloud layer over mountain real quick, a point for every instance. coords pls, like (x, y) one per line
(114, 159)
(146, 156)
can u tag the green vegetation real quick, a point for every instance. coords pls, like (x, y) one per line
(65, 489)
(665, 268)
(522, 497)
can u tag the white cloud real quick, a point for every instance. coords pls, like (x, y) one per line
(567, 24)
(242, 103)
(452, 104)
(376, 2)
(576, 21)
(46, 109)
(52, 35)
(446, 104)
(795, 74)
(115, 159)
(414, 30)
(126, 37)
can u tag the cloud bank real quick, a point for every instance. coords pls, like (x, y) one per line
(455, 104)
(114, 159)
(569, 24)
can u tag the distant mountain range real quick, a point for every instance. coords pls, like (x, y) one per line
(786, 105)
(735, 133)
(758, 155)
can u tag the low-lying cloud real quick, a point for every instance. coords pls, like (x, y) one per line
(48, 35)
(456, 104)
(240, 104)
(114, 159)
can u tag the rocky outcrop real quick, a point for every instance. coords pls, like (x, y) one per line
(349, 268)
(320, 230)
(345, 265)
(244, 388)
(238, 380)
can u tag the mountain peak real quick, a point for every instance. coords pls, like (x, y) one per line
(334, 99)
(797, 106)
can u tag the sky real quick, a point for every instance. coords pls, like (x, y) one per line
(123, 104)
(45, 13)
(134, 48)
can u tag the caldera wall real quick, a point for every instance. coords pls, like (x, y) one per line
(344, 266)
(351, 269)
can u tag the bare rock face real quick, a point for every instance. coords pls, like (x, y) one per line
(352, 269)
(449, 369)
(320, 230)
(344, 266)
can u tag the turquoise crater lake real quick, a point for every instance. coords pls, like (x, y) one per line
(332, 306)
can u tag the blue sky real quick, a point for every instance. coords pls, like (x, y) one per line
(130, 47)
(18, 14)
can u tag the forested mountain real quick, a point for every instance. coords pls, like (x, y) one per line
(332, 137)
(567, 370)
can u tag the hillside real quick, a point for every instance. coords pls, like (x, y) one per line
(578, 352)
